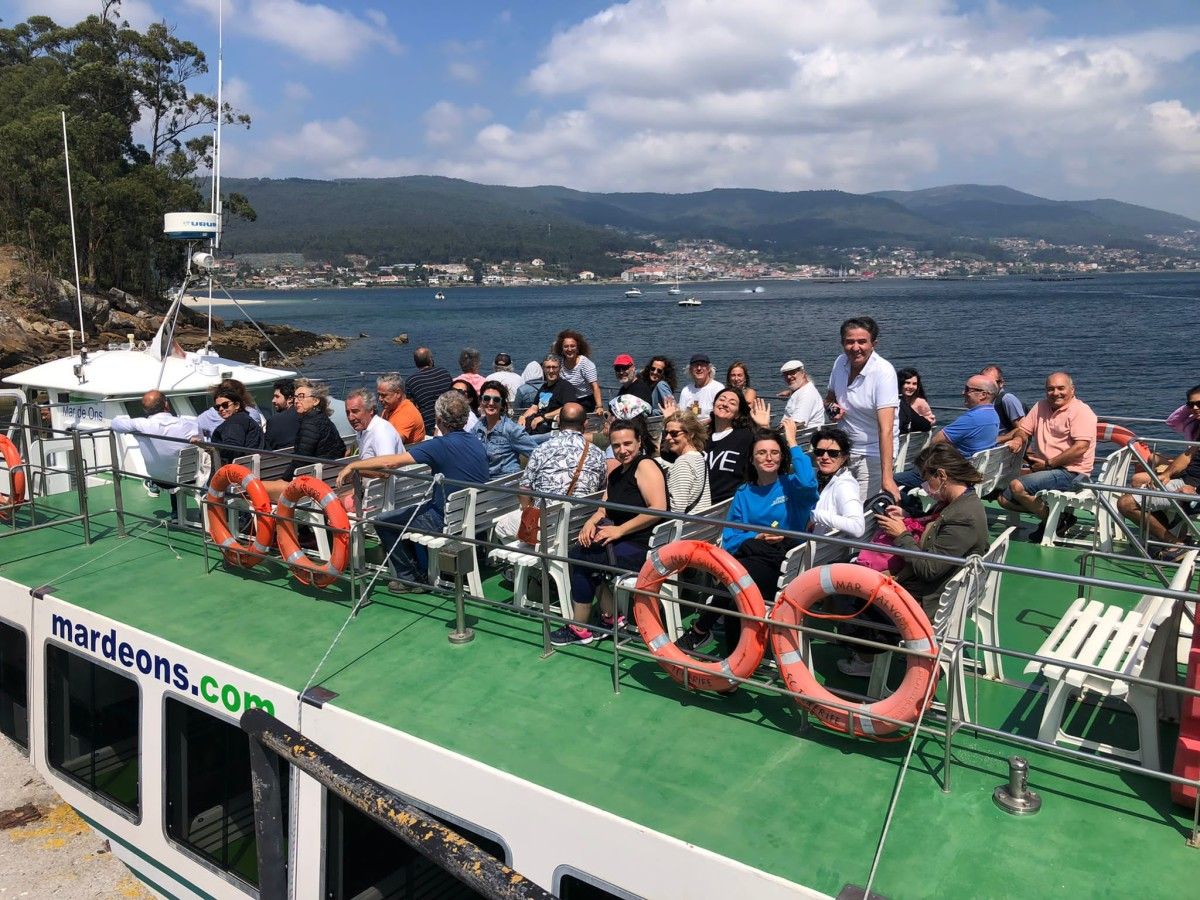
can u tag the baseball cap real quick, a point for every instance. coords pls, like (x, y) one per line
(791, 365)
(503, 359)
(700, 358)
(623, 360)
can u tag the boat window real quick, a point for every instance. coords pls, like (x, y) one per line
(14, 681)
(209, 808)
(575, 884)
(198, 402)
(92, 734)
(262, 394)
(363, 859)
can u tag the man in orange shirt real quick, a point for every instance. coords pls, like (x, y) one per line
(1062, 428)
(398, 409)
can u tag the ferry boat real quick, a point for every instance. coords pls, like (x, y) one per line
(131, 649)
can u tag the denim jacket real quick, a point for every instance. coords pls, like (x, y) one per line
(504, 444)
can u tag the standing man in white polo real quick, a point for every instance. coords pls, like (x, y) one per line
(863, 400)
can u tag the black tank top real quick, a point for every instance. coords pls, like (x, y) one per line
(623, 488)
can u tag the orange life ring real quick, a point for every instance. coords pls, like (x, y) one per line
(236, 552)
(752, 644)
(16, 476)
(1121, 436)
(877, 589)
(306, 570)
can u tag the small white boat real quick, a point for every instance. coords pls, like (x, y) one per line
(633, 292)
(439, 296)
(758, 289)
(690, 301)
(674, 291)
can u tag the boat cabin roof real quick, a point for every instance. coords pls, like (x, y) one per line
(130, 373)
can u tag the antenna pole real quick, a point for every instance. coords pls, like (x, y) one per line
(74, 245)
(217, 139)
(215, 243)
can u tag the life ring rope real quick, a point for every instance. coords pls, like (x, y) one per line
(306, 570)
(881, 718)
(220, 488)
(722, 675)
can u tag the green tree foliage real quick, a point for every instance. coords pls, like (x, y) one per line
(113, 82)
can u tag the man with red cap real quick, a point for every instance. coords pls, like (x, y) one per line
(629, 382)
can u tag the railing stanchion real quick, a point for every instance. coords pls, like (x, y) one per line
(118, 501)
(544, 550)
(268, 821)
(81, 484)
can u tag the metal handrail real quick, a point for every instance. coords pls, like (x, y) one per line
(623, 647)
(271, 741)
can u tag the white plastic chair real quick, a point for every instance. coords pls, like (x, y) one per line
(1114, 471)
(558, 542)
(1122, 642)
(965, 597)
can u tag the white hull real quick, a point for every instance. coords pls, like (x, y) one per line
(530, 821)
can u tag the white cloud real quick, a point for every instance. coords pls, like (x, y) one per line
(312, 31)
(855, 94)
(237, 93)
(446, 123)
(1178, 130)
(461, 70)
(295, 92)
(318, 148)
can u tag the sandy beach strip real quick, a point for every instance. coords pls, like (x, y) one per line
(192, 300)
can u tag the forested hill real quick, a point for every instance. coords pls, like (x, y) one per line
(428, 218)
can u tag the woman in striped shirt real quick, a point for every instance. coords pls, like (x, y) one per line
(577, 370)
(687, 477)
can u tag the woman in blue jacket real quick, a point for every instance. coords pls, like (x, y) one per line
(504, 440)
(780, 491)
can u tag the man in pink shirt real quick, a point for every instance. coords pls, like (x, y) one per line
(1063, 450)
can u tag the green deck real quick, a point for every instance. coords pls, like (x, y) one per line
(730, 774)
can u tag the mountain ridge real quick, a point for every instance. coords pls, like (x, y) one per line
(435, 218)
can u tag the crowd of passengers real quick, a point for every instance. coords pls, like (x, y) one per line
(812, 470)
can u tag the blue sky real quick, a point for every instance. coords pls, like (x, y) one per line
(1068, 99)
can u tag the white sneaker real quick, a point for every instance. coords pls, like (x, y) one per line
(855, 667)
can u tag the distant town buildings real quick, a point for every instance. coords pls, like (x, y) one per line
(705, 260)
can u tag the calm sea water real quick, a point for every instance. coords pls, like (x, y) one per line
(1128, 339)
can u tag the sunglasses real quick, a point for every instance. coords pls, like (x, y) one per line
(825, 451)
(794, 373)
(973, 390)
(1194, 404)
(223, 405)
(489, 398)
(657, 371)
(676, 432)
(622, 368)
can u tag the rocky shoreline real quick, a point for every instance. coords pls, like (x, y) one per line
(38, 314)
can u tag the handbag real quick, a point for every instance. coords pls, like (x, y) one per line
(530, 531)
(883, 561)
